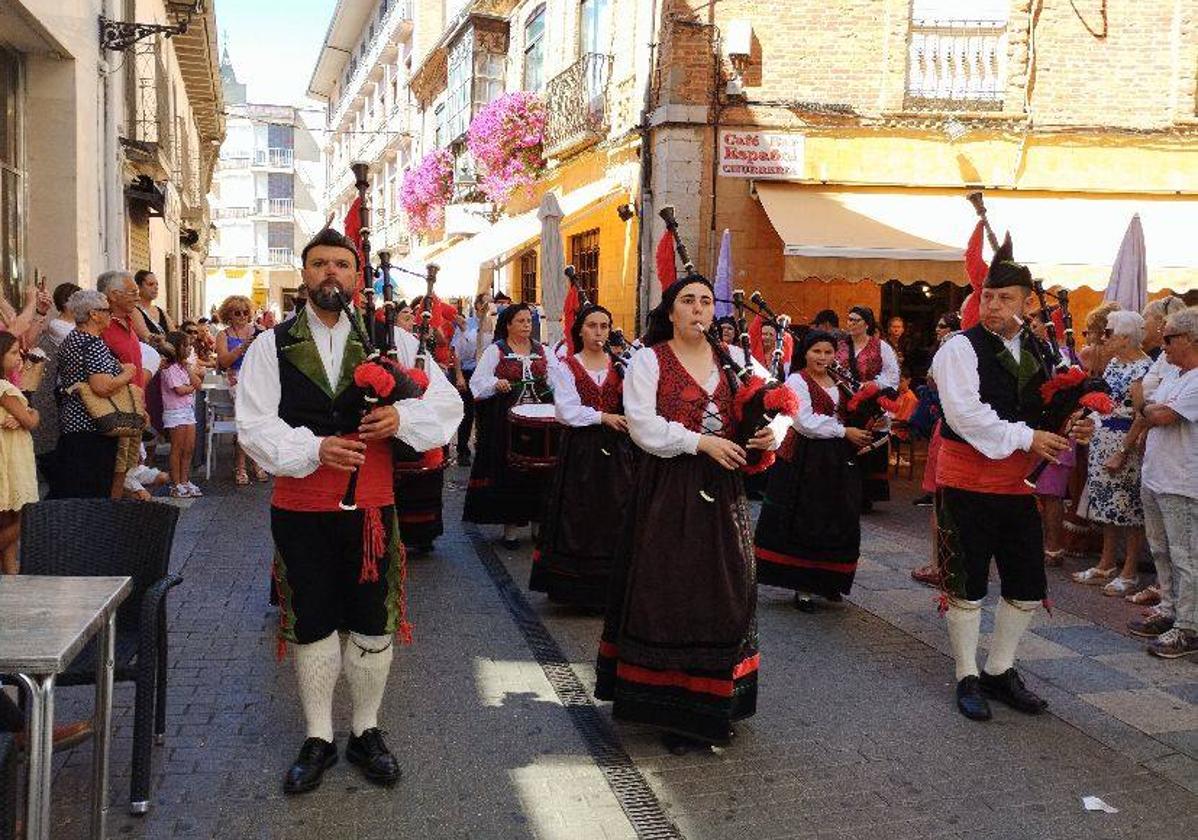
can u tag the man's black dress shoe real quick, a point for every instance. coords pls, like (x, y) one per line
(315, 756)
(370, 753)
(1008, 688)
(970, 701)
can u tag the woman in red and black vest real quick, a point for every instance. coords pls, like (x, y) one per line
(679, 647)
(586, 500)
(809, 532)
(514, 368)
(870, 359)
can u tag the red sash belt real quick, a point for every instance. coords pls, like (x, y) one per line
(961, 466)
(322, 490)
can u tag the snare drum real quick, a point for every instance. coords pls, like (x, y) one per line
(532, 438)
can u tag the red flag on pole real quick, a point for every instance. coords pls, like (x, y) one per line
(667, 270)
(353, 231)
(975, 270)
(569, 313)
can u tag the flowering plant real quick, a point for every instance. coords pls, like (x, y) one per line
(506, 139)
(426, 189)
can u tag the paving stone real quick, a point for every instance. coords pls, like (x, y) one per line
(1148, 709)
(1081, 675)
(1089, 640)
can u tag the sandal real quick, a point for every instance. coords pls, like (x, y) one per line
(1054, 558)
(240, 477)
(1121, 586)
(1094, 575)
(1148, 597)
(260, 474)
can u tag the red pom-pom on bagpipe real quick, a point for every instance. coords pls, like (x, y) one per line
(782, 400)
(867, 392)
(754, 399)
(419, 378)
(376, 378)
(1064, 380)
(1098, 402)
(746, 392)
(888, 404)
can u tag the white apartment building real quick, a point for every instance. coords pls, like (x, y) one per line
(361, 76)
(266, 197)
(108, 137)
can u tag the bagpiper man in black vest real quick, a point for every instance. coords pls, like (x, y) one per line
(989, 379)
(303, 415)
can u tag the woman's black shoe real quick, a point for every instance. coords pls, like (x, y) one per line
(369, 752)
(315, 756)
(681, 744)
(510, 545)
(970, 701)
(804, 603)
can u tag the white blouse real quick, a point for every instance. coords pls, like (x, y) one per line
(566, 400)
(808, 423)
(668, 438)
(482, 384)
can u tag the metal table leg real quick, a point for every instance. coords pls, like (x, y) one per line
(102, 726)
(41, 744)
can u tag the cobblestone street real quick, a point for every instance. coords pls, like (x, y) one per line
(856, 732)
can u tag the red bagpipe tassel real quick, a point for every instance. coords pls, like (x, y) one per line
(280, 649)
(374, 544)
(403, 631)
(942, 604)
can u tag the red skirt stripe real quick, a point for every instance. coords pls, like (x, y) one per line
(787, 560)
(681, 679)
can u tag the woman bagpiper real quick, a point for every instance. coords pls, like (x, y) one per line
(679, 646)
(809, 533)
(869, 358)
(513, 369)
(586, 500)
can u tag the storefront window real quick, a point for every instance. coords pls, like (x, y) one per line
(12, 178)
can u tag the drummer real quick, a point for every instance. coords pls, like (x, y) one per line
(513, 370)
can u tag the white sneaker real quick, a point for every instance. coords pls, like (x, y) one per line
(192, 490)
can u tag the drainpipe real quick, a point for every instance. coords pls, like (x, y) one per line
(112, 214)
(647, 209)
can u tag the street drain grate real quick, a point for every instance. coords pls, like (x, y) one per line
(636, 798)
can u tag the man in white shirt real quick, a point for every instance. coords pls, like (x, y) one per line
(989, 380)
(1169, 490)
(303, 415)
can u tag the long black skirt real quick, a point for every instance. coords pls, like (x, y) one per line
(499, 494)
(418, 505)
(809, 533)
(874, 467)
(679, 646)
(584, 512)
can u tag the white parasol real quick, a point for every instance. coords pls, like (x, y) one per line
(553, 264)
(1129, 275)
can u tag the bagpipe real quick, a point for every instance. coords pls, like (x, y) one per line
(618, 360)
(1067, 388)
(866, 403)
(383, 380)
(756, 401)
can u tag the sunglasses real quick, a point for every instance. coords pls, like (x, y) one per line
(103, 309)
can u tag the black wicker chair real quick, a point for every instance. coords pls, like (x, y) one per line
(102, 537)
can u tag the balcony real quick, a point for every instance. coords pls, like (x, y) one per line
(388, 32)
(956, 65)
(275, 208)
(274, 158)
(280, 256)
(222, 213)
(578, 111)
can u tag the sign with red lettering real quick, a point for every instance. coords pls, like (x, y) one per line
(761, 154)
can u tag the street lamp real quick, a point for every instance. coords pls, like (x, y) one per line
(121, 35)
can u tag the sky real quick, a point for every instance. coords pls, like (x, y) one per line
(273, 45)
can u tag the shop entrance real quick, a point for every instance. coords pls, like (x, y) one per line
(919, 305)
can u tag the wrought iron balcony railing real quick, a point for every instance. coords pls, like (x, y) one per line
(275, 207)
(233, 212)
(956, 65)
(280, 256)
(275, 158)
(578, 108)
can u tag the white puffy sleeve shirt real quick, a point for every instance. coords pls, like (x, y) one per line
(808, 423)
(425, 423)
(955, 369)
(566, 401)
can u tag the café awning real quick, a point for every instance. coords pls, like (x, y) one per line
(918, 235)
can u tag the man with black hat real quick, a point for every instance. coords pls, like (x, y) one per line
(304, 416)
(989, 379)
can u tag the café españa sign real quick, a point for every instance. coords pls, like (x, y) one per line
(761, 154)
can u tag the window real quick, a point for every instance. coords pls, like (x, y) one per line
(528, 276)
(488, 78)
(440, 140)
(12, 178)
(584, 255)
(457, 104)
(957, 55)
(534, 51)
(594, 34)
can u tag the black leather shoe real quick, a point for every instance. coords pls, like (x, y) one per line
(1008, 688)
(509, 544)
(370, 753)
(970, 701)
(315, 756)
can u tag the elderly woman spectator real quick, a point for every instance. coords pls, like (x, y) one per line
(1170, 494)
(236, 313)
(1113, 469)
(45, 436)
(85, 460)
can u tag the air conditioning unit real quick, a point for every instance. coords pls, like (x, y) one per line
(738, 40)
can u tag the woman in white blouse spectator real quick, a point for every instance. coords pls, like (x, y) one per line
(870, 359)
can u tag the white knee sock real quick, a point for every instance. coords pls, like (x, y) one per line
(317, 667)
(367, 664)
(1010, 620)
(964, 625)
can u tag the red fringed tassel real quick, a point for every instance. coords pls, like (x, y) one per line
(403, 631)
(280, 649)
(374, 543)
(942, 604)
(1048, 605)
